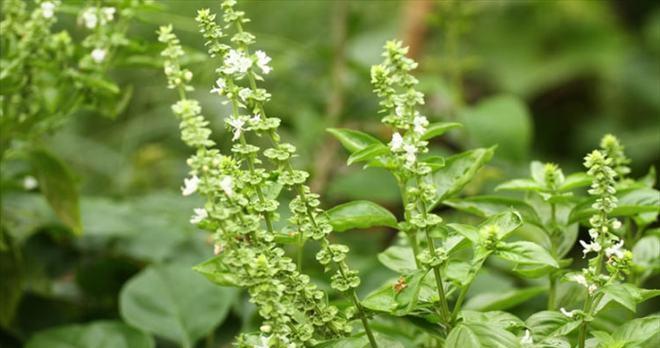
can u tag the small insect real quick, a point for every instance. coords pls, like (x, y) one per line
(400, 285)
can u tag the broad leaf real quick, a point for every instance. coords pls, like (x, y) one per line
(500, 319)
(360, 214)
(520, 185)
(353, 140)
(575, 180)
(630, 203)
(368, 153)
(438, 129)
(58, 186)
(397, 296)
(100, 334)
(640, 331)
(646, 252)
(174, 302)
(486, 206)
(526, 253)
(475, 335)
(550, 324)
(458, 171)
(495, 301)
(505, 223)
(400, 259)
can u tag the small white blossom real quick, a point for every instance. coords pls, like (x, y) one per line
(411, 151)
(217, 248)
(187, 75)
(108, 13)
(262, 62)
(593, 233)
(419, 124)
(567, 313)
(227, 185)
(616, 224)
(236, 62)
(244, 93)
(237, 124)
(400, 110)
(200, 214)
(587, 248)
(580, 279)
(220, 85)
(527, 338)
(615, 250)
(98, 55)
(263, 343)
(397, 142)
(255, 119)
(592, 288)
(47, 9)
(89, 18)
(190, 185)
(30, 183)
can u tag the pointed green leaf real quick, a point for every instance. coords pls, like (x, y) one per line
(174, 302)
(400, 259)
(551, 324)
(487, 206)
(640, 332)
(505, 222)
(368, 153)
(574, 181)
(99, 334)
(214, 270)
(353, 140)
(526, 253)
(58, 186)
(360, 214)
(438, 129)
(458, 171)
(481, 335)
(502, 300)
(520, 185)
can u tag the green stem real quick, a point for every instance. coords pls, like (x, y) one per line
(444, 307)
(552, 291)
(412, 235)
(363, 318)
(461, 296)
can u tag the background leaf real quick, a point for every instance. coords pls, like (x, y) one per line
(360, 214)
(100, 334)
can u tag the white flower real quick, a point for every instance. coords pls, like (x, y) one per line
(255, 119)
(593, 233)
(200, 214)
(217, 248)
(30, 183)
(237, 124)
(615, 250)
(236, 62)
(593, 246)
(263, 343)
(220, 85)
(580, 279)
(244, 93)
(419, 124)
(187, 75)
(616, 224)
(226, 184)
(190, 185)
(527, 338)
(567, 313)
(108, 13)
(98, 55)
(397, 142)
(47, 9)
(592, 288)
(89, 18)
(262, 62)
(411, 151)
(400, 110)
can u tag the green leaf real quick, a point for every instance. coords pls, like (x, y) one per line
(435, 162)
(633, 202)
(438, 129)
(646, 252)
(467, 231)
(214, 270)
(368, 153)
(487, 206)
(99, 334)
(400, 259)
(475, 335)
(639, 331)
(174, 302)
(360, 214)
(353, 140)
(551, 324)
(526, 253)
(621, 294)
(359, 341)
(458, 171)
(520, 185)
(58, 186)
(500, 319)
(505, 222)
(401, 301)
(495, 301)
(503, 120)
(575, 180)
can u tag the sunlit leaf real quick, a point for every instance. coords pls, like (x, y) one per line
(360, 214)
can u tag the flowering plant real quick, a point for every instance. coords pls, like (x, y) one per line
(437, 262)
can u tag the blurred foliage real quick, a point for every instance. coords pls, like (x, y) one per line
(540, 79)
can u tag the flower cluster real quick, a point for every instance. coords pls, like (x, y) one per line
(99, 20)
(242, 194)
(613, 149)
(394, 84)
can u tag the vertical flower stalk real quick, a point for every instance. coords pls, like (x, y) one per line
(395, 85)
(295, 311)
(607, 246)
(237, 82)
